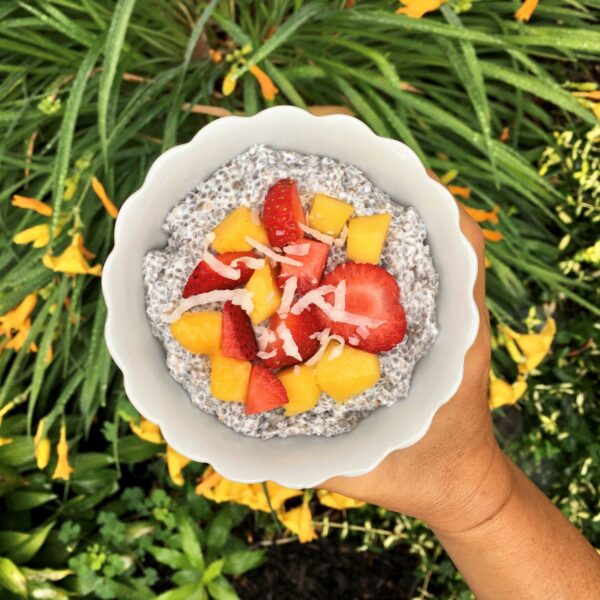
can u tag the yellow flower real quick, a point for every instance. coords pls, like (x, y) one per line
(299, 521)
(71, 184)
(209, 480)
(42, 446)
(502, 393)
(417, 8)
(526, 10)
(63, 468)
(267, 87)
(3, 411)
(534, 346)
(16, 324)
(38, 235)
(73, 260)
(492, 236)
(483, 215)
(147, 431)
(176, 463)
(108, 204)
(32, 204)
(458, 190)
(337, 501)
(229, 82)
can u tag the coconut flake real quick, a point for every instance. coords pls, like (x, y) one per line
(296, 369)
(342, 316)
(324, 340)
(242, 297)
(314, 296)
(265, 355)
(254, 217)
(341, 240)
(270, 253)
(339, 297)
(339, 348)
(363, 331)
(252, 263)
(353, 340)
(289, 344)
(264, 336)
(289, 290)
(227, 271)
(322, 237)
(297, 249)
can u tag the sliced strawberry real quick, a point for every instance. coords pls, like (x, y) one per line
(310, 273)
(282, 213)
(265, 391)
(237, 336)
(370, 292)
(204, 279)
(301, 327)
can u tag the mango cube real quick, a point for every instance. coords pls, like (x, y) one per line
(198, 332)
(301, 388)
(366, 236)
(229, 378)
(265, 294)
(329, 215)
(347, 375)
(231, 232)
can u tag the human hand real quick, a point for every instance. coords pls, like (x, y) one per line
(456, 476)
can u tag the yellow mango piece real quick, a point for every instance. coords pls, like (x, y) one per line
(366, 236)
(199, 332)
(231, 232)
(265, 294)
(347, 375)
(329, 215)
(301, 387)
(229, 378)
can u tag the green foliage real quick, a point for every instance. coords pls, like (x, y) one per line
(97, 88)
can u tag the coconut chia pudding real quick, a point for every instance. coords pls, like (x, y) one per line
(300, 328)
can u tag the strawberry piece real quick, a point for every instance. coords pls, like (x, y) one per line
(301, 327)
(237, 336)
(371, 292)
(265, 391)
(282, 213)
(313, 264)
(204, 279)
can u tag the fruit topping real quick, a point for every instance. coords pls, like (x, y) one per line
(241, 297)
(237, 339)
(265, 391)
(366, 237)
(282, 213)
(198, 332)
(329, 215)
(310, 268)
(231, 232)
(266, 296)
(229, 378)
(301, 387)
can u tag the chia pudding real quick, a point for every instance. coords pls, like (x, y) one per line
(245, 181)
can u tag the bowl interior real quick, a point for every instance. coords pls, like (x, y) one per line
(297, 461)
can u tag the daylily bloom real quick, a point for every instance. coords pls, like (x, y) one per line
(32, 204)
(73, 260)
(457, 190)
(483, 215)
(42, 446)
(534, 346)
(148, 431)
(299, 521)
(502, 392)
(337, 501)
(526, 10)
(38, 235)
(16, 324)
(492, 236)
(215, 55)
(267, 87)
(417, 8)
(504, 134)
(63, 468)
(4, 441)
(229, 82)
(108, 204)
(176, 463)
(210, 478)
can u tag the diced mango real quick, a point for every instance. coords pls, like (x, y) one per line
(231, 232)
(229, 378)
(198, 332)
(366, 236)
(301, 387)
(265, 294)
(347, 375)
(329, 215)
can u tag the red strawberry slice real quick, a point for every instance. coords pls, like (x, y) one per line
(301, 327)
(310, 273)
(265, 391)
(371, 292)
(204, 279)
(237, 336)
(282, 212)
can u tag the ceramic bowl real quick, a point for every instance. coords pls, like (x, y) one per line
(299, 461)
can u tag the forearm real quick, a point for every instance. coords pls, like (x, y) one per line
(525, 548)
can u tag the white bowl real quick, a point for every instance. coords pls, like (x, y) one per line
(299, 461)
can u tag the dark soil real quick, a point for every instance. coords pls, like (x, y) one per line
(330, 569)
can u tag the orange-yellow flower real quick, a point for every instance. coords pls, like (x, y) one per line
(483, 215)
(148, 431)
(526, 10)
(457, 190)
(108, 204)
(533, 346)
(229, 82)
(41, 445)
(504, 134)
(502, 393)
(267, 87)
(337, 501)
(16, 324)
(176, 463)
(215, 55)
(417, 8)
(209, 480)
(492, 236)
(299, 521)
(63, 469)
(73, 260)
(32, 204)
(38, 236)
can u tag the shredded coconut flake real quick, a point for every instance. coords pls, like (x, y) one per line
(353, 340)
(254, 217)
(264, 355)
(297, 249)
(322, 237)
(323, 340)
(242, 297)
(289, 290)
(339, 348)
(341, 240)
(363, 331)
(227, 271)
(264, 336)
(252, 263)
(339, 297)
(296, 369)
(289, 344)
(313, 297)
(270, 253)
